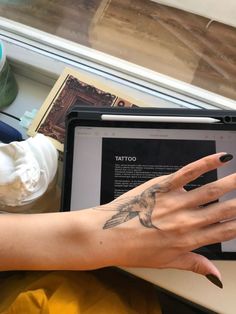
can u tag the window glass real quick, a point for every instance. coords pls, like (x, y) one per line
(192, 41)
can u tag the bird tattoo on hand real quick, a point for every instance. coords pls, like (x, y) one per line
(141, 206)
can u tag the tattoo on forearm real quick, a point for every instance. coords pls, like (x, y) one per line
(141, 206)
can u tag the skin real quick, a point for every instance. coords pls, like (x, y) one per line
(141, 205)
(158, 224)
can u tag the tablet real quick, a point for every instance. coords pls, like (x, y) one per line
(109, 151)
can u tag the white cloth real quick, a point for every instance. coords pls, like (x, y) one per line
(26, 170)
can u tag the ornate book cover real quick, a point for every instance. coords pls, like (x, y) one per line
(71, 89)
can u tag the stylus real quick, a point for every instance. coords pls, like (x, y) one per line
(111, 117)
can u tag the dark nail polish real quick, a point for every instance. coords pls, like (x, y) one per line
(215, 280)
(226, 157)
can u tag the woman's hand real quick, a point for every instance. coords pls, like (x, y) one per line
(158, 223)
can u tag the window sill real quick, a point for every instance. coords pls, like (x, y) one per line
(42, 57)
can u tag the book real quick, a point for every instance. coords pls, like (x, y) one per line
(73, 88)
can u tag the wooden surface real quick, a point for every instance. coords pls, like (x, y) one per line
(173, 42)
(213, 9)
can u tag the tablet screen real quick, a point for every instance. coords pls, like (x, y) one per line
(108, 161)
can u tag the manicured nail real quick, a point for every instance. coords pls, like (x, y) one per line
(215, 280)
(226, 157)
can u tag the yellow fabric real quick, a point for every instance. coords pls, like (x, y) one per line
(101, 292)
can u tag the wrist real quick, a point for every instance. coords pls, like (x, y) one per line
(98, 247)
(107, 246)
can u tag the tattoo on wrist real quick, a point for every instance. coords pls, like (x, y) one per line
(141, 206)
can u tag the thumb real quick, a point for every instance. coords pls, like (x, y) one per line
(198, 264)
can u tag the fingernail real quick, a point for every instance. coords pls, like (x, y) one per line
(226, 157)
(215, 280)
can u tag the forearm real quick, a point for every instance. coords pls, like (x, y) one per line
(55, 241)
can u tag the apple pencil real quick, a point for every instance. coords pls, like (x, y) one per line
(111, 117)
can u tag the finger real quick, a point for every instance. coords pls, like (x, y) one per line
(197, 218)
(195, 169)
(209, 192)
(216, 233)
(183, 221)
(217, 212)
(197, 264)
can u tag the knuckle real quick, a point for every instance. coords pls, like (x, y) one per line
(179, 223)
(212, 218)
(196, 266)
(213, 191)
(208, 163)
(189, 172)
(172, 205)
(229, 209)
(229, 231)
(183, 224)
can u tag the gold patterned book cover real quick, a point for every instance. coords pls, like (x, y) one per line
(73, 88)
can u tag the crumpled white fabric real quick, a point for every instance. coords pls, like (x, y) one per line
(26, 170)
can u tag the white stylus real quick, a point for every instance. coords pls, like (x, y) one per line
(111, 117)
